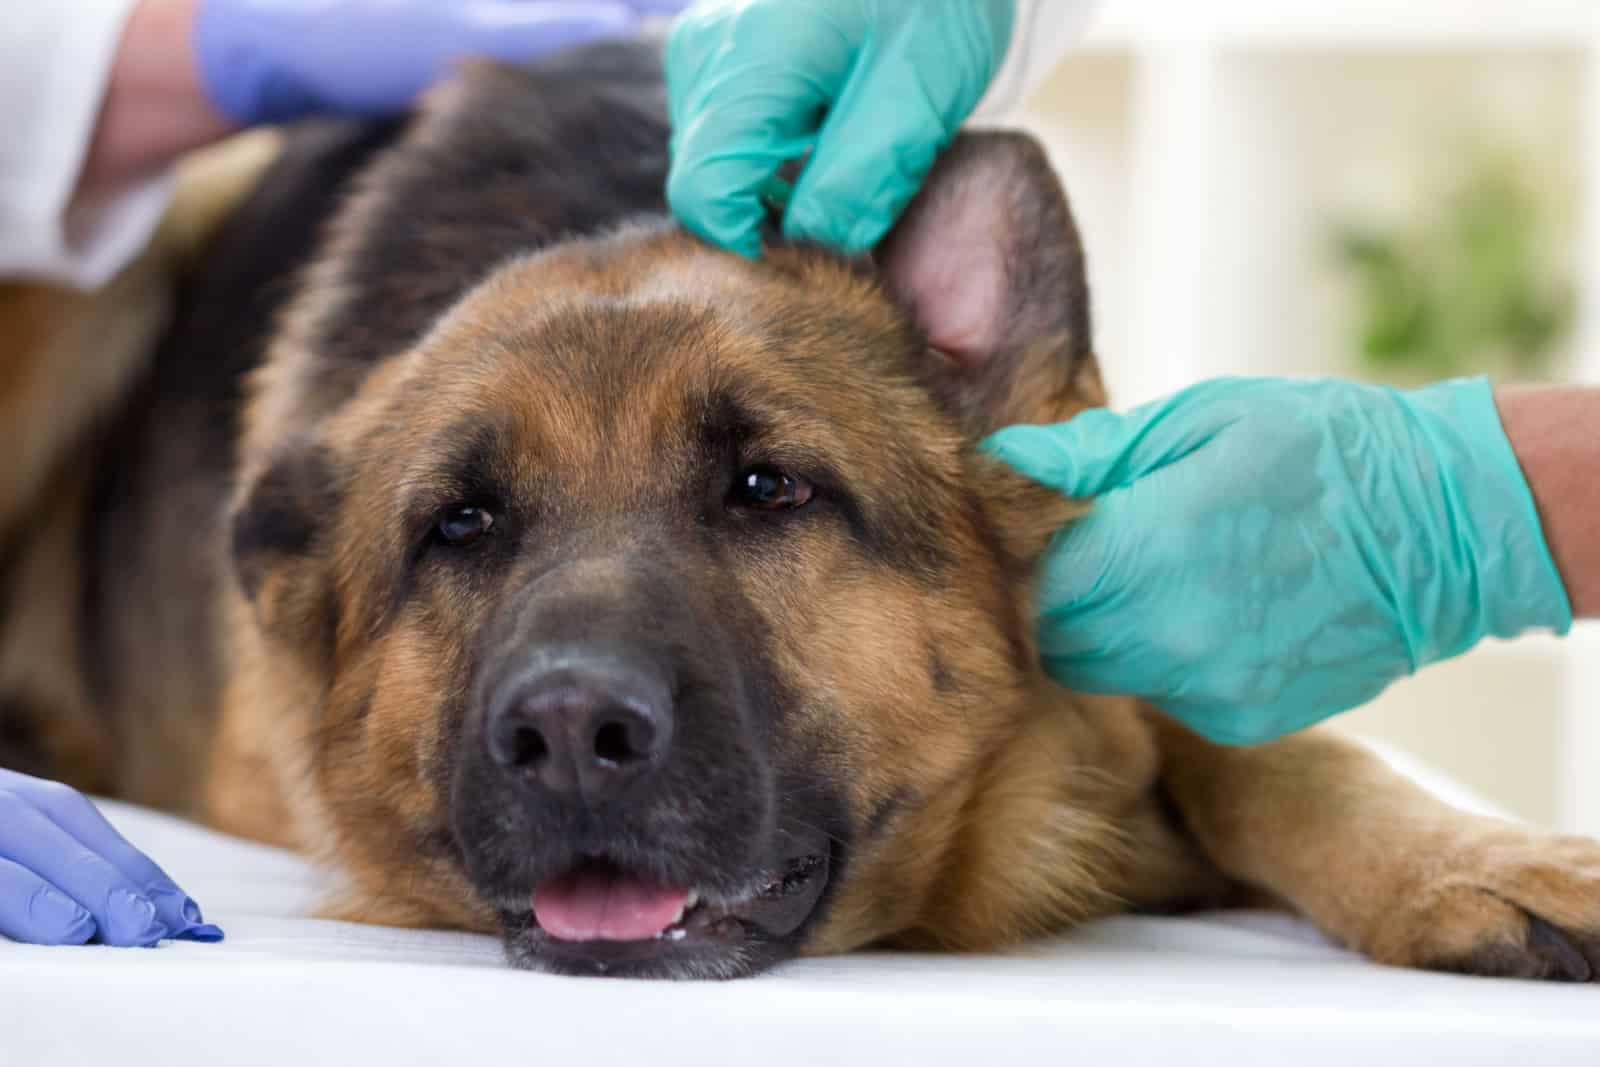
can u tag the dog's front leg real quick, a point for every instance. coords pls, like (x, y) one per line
(1384, 867)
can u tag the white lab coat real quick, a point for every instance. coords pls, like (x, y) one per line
(55, 60)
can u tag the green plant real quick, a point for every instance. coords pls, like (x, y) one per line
(1467, 290)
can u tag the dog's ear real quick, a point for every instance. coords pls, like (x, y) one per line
(279, 520)
(988, 264)
(986, 261)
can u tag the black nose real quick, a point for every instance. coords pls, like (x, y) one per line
(582, 727)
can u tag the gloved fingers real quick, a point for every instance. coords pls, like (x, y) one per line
(123, 913)
(1084, 572)
(740, 110)
(1090, 628)
(718, 196)
(1099, 581)
(896, 113)
(872, 155)
(1083, 457)
(78, 816)
(36, 912)
(1100, 450)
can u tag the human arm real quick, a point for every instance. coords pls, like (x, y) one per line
(1555, 433)
(154, 108)
(104, 95)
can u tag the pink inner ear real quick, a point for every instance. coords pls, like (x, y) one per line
(948, 269)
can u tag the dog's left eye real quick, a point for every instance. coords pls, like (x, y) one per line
(766, 488)
(461, 526)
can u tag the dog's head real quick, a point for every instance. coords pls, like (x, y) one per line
(655, 608)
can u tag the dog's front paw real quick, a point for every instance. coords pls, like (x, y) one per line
(1509, 903)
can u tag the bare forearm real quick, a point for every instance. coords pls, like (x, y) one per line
(154, 109)
(1555, 432)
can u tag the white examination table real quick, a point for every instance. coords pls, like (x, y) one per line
(1234, 989)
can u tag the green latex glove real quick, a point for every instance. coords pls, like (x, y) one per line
(1266, 553)
(874, 89)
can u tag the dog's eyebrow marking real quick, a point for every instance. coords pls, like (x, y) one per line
(756, 432)
(724, 420)
(462, 464)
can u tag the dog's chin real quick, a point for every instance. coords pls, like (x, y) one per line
(716, 935)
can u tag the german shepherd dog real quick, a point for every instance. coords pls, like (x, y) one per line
(550, 573)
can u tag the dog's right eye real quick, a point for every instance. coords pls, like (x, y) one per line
(461, 526)
(764, 488)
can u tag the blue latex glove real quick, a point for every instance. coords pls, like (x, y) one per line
(275, 60)
(872, 88)
(1267, 553)
(67, 877)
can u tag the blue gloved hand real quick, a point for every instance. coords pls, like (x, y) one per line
(274, 60)
(873, 88)
(67, 877)
(1266, 553)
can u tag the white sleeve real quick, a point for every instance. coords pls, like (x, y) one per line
(55, 61)
(1040, 36)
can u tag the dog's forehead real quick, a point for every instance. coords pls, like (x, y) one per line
(623, 342)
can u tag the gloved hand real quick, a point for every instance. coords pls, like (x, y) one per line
(275, 60)
(67, 877)
(1266, 553)
(874, 88)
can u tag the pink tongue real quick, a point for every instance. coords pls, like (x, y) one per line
(594, 904)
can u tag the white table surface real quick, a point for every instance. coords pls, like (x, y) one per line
(1227, 988)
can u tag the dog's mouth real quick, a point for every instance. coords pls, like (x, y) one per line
(601, 918)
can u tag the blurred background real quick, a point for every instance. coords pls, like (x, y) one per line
(1394, 191)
